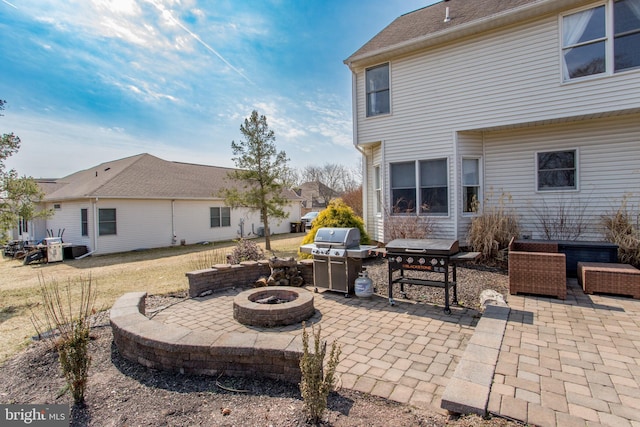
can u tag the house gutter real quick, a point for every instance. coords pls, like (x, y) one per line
(498, 20)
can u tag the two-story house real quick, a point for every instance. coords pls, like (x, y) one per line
(464, 101)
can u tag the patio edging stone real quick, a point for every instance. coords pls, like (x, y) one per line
(468, 390)
(176, 348)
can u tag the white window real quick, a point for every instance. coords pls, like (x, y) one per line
(591, 45)
(403, 187)
(626, 34)
(220, 217)
(432, 194)
(470, 185)
(378, 188)
(557, 170)
(434, 188)
(377, 86)
(107, 222)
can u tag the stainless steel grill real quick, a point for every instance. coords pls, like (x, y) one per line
(337, 258)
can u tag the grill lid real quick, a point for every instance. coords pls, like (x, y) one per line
(337, 237)
(424, 246)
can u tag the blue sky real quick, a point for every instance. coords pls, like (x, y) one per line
(88, 81)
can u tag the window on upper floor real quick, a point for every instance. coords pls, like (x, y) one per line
(626, 41)
(432, 192)
(220, 217)
(377, 85)
(557, 170)
(106, 222)
(591, 45)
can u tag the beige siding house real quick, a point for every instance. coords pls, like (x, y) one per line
(464, 101)
(146, 202)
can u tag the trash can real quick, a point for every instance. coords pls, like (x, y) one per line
(296, 227)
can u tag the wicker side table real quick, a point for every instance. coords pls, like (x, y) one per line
(611, 278)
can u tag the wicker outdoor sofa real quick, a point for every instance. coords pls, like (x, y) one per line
(537, 268)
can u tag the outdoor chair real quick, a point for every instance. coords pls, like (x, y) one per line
(537, 268)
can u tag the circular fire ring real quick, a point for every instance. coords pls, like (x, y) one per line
(295, 305)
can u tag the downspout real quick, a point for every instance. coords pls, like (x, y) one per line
(95, 225)
(354, 120)
(173, 225)
(456, 215)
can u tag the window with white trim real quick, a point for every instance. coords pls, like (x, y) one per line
(84, 222)
(107, 222)
(434, 187)
(557, 170)
(378, 188)
(591, 45)
(220, 217)
(470, 185)
(403, 187)
(626, 34)
(424, 183)
(377, 87)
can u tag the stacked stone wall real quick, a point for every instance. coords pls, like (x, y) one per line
(222, 276)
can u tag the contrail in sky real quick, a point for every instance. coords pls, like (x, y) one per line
(10, 4)
(167, 14)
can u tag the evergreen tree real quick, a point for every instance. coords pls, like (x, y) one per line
(262, 170)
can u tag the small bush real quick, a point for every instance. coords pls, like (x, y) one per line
(337, 214)
(492, 230)
(245, 250)
(317, 383)
(67, 324)
(621, 228)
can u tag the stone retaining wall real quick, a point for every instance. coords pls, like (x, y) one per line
(176, 348)
(222, 276)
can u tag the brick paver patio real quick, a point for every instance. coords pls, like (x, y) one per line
(573, 362)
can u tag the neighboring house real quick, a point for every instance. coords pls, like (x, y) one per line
(146, 202)
(315, 196)
(465, 101)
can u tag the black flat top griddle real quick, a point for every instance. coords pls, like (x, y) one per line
(444, 247)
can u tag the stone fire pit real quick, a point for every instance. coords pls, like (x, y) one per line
(281, 305)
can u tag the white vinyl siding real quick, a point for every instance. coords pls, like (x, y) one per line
(506, 78)
(67, 221)
(143, 224)
(608, 160)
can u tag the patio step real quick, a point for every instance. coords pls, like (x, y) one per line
(468, 390)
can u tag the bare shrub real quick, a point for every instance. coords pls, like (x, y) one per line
(205, 260)
(317, 382)
(564, 220)
(492, 230)
(406, 225)
(621, 227)
(67, 324)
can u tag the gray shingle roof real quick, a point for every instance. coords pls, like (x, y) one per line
(417, 29)
(145, 177)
